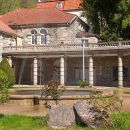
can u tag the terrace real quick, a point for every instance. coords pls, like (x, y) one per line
(77, 47)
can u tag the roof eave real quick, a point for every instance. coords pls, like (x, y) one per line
(36, 24)
(8, 33)
(73, 19)
(80, 9)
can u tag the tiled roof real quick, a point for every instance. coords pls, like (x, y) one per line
(72, 4)
(37, 16)
(6, 29)
(66, 4)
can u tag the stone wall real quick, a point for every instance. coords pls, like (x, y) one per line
(8, 40)
(57, 34)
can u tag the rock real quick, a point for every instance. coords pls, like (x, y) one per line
(61, 117)
(90, 115)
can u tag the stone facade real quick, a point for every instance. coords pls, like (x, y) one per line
(6, 40)
(9, 41)
(56, 34)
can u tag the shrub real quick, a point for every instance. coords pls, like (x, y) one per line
(84, 84)
(3, 86)
(51, 90)
(3, 79)
(5, 66)
(111, 105)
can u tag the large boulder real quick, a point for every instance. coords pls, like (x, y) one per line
(90, 115)
(61, 117)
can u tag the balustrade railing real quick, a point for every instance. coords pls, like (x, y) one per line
(66, 47)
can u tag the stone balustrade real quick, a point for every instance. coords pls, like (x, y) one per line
(67, 47)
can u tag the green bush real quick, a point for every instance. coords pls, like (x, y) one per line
(5, 66)
(3, 79)
(84, 84)
(3, 86)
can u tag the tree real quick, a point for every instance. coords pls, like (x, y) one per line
(4, 65)
(27, 3)
(108, 18)
(122, 19)
(8, 5)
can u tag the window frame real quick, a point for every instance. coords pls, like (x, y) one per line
(43, 34)
(59, 5)
(33, 37)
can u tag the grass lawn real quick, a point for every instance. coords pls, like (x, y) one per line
(38, 123)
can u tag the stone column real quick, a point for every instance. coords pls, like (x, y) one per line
(120, 72)
(65, 71)
(62, 70)
(35, 71)
(91, 70)
(10, 60)
(1, 47)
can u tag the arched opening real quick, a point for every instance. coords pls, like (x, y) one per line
(34, 36)
(43, 36)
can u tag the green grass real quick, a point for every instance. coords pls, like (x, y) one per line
(15, 122)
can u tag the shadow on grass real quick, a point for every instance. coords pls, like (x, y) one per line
(1, 115)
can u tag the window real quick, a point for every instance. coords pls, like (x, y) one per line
(43, 36)
(34, 36)
(58, 5)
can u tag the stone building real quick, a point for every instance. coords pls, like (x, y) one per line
(47, 47)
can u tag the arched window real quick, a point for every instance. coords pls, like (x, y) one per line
(43, 36)
(34, 36)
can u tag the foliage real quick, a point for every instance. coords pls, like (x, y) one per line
(8, 5)
(27, 3)
(3, 86)
(3, 79)
(5, 66)
(110, 19)
(112, 105)
(84, 84)
(51, 90)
